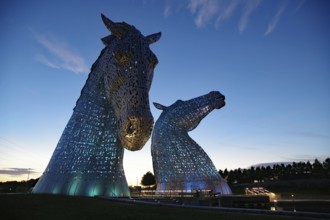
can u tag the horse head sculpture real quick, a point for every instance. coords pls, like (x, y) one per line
(186, 115)
(179, 163)
(112, 113)
(128, 79)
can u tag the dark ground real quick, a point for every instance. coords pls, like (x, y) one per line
(29, 206)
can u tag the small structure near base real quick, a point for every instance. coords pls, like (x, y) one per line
(242, 201)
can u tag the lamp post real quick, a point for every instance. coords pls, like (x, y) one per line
(27, 181)
(294, 206)
(28, 175)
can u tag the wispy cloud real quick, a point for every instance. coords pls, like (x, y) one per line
(167, 11)
(305, 158)
(272, 24)
(59, 55)
(249, 8)
(204, 10)
(293, 159)
(226, 12)
(271, 164)
(308, 134)
(301, 3)
(42, 59)
(217, 12)
(17, 171)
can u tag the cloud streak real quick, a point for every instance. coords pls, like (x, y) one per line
(250, 7)
(301, 3)
(60, 56)
(204, 10)
(308, 134)
(273, 23)
(227, 12)
(167, 11)
(17, 171)
(305, 158)
(42, 59)
(217, 12)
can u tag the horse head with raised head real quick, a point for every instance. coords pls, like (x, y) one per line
(179, 162)
(186, 115)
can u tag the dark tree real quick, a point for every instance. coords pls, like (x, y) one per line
(225, 173)
(279, 172)
(268, 173)
(326, 166)
(317, 169)
(148, 179)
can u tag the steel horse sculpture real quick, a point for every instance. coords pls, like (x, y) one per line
(179, 163)
(112, 113)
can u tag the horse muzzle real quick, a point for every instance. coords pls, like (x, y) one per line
(216, 99)
(135, 132)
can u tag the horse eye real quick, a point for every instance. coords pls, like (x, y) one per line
(122, 58)
(153, 63)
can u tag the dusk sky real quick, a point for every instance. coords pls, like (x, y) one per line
(271, 59)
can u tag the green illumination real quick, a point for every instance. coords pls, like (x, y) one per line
(73, 187)
(97, 189)
(56, 189)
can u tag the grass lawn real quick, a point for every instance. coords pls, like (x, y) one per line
(28, 206)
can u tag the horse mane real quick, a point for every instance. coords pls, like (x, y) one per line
(90, 73)
(97, 60)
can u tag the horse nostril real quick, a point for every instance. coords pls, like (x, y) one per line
(136, 126)
(131, 127)
(150, 130)
(222, 97)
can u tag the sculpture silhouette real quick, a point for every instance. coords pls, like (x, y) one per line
(112, 112)
(179, 163)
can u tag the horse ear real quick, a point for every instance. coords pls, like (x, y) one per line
(113, 27)
(159, 106)
(152, 38)
(107, 40)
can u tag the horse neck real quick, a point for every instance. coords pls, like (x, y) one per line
(165, 133)
(93, 103)
(94, 85)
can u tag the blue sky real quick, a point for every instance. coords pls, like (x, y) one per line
(271, 59)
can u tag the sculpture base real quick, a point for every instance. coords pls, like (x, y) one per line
(83, 186)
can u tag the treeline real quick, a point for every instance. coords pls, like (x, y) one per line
(16, 186)
(279, 172)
